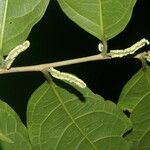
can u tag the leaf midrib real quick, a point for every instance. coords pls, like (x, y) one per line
(148, 79)
(4, 138)
(3, 26)
(92, 22)
(101, 21)
(59, 98)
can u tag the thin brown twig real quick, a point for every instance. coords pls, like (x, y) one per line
(41, 67)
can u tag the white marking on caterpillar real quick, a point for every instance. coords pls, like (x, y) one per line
(14, 53)
(66, 76)
(130, 50)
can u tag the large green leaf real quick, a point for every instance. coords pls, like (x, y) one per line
(102, 18)
(135, 97)
(16, 20)
(62, 117)
(13, 134)
(5, 138)
(135, 90)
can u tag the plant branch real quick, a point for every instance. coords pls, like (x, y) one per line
(42, 67)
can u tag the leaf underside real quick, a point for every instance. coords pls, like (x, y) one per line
(13, 134)
(62, 117)
(135, 97)
(16, 21)
(103, 19)
(5, 138)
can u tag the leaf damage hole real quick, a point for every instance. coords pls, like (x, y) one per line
(127, 133)
(127, 113)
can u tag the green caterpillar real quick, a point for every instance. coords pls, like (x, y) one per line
(130, 50)
(66, 76)
(14, 53)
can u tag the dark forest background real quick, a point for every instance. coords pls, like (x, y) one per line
(57, 38)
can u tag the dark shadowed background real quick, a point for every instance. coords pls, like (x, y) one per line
(57, 38)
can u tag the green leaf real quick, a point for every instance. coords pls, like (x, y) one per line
(102, 18)
(135, 90)
(13, 134)
(65, 117)
(5, 138)
(136, 98)
(16, 20)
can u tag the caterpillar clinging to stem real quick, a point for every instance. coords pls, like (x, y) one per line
(66, 76)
